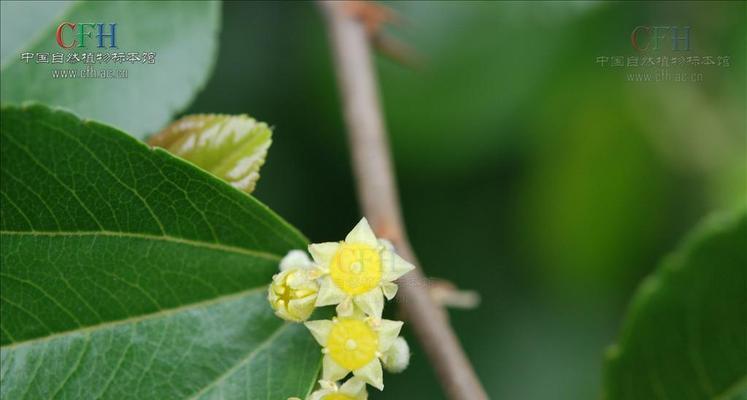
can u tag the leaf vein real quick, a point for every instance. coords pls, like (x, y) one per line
(56, 178)
(44, 292)
(266, 342)
(109, 171)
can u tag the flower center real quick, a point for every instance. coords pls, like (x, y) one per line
(356, 268)
(352, 343)
(337, 396)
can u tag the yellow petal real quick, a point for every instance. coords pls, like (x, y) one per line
(322, 253)
(319, 394)
(315, 272)
(332, 371)
(320, 330)
(387, 245)
(345, 308)
(388, 331)
(357, 314)
(301, 308)
(299, 279)
(329, 385)
(362, 233)
(329, 293)
(372, 374)
(371, 302)
(394, 266)
(271, 295)
(353, 387)
(389, 289)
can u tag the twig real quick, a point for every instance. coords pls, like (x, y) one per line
(446, 294)
(379, 200)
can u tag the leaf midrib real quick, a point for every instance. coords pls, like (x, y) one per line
(139, 318)
(145, 236)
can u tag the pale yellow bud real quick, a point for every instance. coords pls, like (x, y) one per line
(397, 358)
(292, 294)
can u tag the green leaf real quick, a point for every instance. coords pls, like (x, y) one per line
(182, 34)
(233, 148)
(128, 273)
(20, 21)
(685, 335)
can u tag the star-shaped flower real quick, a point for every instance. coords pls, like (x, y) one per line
(358, 271)
(352, 389)
(354, 344)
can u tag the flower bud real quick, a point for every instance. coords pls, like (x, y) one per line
(292, 294)
(295, 259)
(397, 358)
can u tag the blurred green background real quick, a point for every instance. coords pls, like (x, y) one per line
(527, 171)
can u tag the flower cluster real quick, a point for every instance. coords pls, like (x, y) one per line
(355, 275)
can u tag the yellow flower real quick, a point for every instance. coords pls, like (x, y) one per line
(353, 389)
(358, 271)
(292, 293)
(354, 344)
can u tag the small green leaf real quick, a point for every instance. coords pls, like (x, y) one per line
(127, 273)
(182, 34)
(232, 148)
(686, 332)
